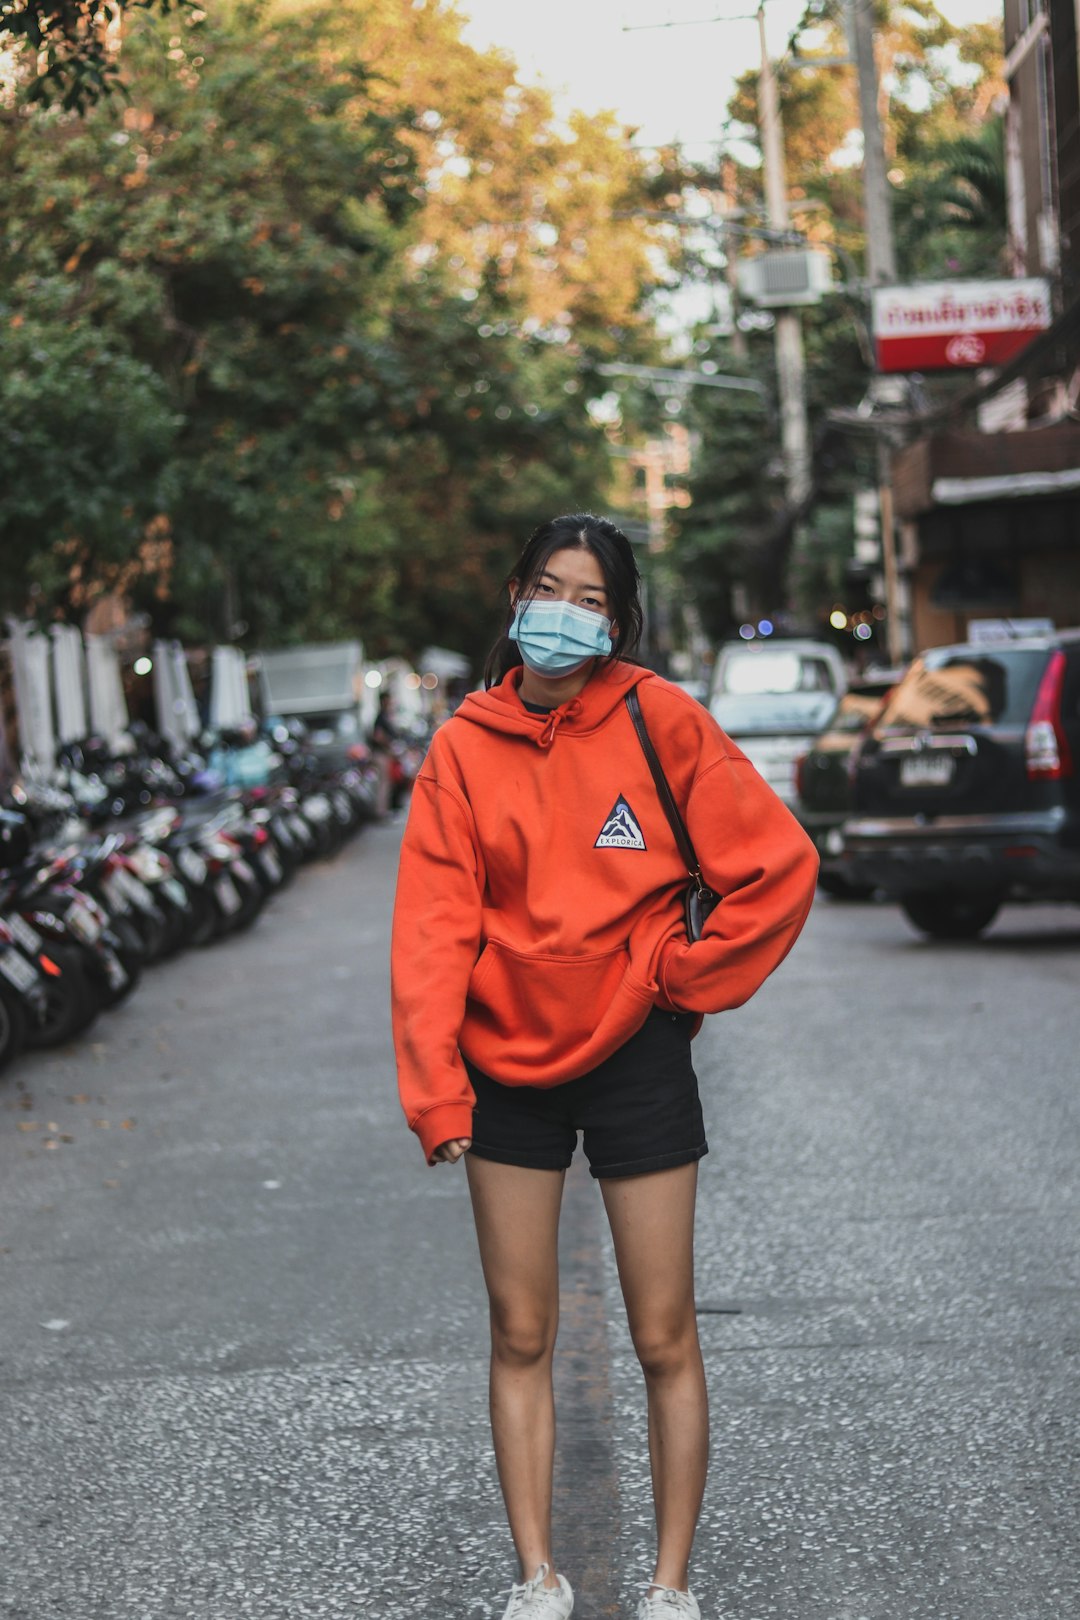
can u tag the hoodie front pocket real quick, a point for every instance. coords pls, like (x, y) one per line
(531, 1019)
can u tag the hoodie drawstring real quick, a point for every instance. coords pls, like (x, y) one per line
(568, 711)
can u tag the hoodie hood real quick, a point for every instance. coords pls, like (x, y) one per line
(501, 708)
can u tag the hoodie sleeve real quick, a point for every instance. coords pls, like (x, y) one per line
(435, 943)
(755, 855)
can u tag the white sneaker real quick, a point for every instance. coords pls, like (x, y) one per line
(667, 1604)
(532, 1600)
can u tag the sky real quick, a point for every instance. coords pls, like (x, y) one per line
(669, 82)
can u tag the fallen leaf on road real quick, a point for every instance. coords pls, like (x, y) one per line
(28, 1125)
(103, 1123)
(80, 1097)
(127, 1124)
(110, 1184)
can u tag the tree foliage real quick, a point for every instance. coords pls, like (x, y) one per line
(940, 89)
(941, 85)
(263, 328)
(66, 51)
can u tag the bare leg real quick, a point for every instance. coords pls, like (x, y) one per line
(517, 1224)
(652, 1224)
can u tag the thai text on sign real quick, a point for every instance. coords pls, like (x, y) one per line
(954, 324)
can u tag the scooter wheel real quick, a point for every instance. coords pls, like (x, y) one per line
(70, 1002)
(12, 1026)
(132, 955)
(154, 934)
(205, 918)
(252, 900)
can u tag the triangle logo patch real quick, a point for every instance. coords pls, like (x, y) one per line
(620, 830)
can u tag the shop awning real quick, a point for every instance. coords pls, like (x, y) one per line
(1010, 487)
(953, 469)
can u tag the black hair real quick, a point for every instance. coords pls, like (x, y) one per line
(575, 531)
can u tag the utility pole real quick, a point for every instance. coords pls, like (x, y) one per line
(790, 361)
(880, 253)
(740, 348)
(880, 272)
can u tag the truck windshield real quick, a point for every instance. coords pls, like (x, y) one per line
(778, 673)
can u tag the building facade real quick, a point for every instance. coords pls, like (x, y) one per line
(987, 504)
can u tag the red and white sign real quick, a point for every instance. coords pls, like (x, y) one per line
(946, 325)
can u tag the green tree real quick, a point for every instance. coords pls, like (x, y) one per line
(67, 51)
(943, 139)
(353, 417)
(955, 222)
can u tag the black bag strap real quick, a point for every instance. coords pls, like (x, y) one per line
(663, 789)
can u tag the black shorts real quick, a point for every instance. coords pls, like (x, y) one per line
(638, 1111)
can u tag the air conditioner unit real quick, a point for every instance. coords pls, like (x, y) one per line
(780, 280)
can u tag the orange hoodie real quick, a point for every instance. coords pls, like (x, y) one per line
(539, 901)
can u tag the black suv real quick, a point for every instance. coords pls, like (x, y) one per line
(965, 791)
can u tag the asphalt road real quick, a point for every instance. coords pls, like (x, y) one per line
(243, 1335)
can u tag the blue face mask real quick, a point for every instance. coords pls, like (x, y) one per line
(559, 638)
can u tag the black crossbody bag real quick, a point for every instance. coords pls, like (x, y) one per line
(699, 900)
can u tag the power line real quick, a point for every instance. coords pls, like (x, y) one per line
(701, 379)
(688, 22)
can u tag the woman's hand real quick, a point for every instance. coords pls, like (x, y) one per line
(450, 1152)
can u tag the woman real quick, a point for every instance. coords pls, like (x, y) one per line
(543, 984)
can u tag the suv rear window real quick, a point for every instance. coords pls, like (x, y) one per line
(952, 687)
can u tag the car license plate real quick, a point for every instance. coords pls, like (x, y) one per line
(82, 922)
(135, 890)
(17, 971)
(146, 863)
(192, 865)
(228, 898)
(270, 865)
(927, 770)
(115, 971)
(176, 893)
(116, 895)
(27, 937)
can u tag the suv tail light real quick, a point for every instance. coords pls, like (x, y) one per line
(1046, 748)
(800, 776)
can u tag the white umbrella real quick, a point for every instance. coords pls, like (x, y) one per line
(186, 707)
(108, 707)
(33, 699)
(7, 763)
(230, 702)
(447, 665)
(69, 682)
(174, 700)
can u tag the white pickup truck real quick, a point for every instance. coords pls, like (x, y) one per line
(772, 698)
